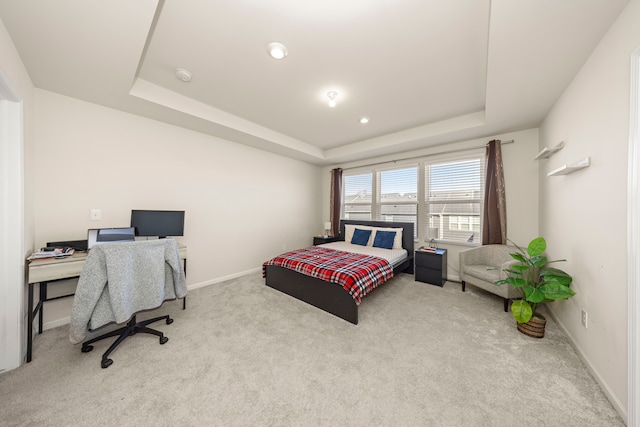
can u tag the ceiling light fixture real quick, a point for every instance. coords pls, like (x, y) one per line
(183, 75)
(332, 98)
(277, 50)
(364, 120)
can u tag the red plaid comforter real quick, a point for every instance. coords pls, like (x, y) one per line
(356, 273)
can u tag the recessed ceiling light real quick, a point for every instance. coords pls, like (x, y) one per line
(183, 75)
(277, 50)
(332, 98)
(364, 120)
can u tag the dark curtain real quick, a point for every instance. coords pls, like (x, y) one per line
(494, 226)
(336, 200)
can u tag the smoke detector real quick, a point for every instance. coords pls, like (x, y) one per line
(183, 75)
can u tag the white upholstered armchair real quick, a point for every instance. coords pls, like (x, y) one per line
(483, 265)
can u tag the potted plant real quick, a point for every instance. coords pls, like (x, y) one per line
(538, 283)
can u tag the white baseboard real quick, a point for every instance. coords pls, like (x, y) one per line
(223, 279)
(54, 324)
(453, 278)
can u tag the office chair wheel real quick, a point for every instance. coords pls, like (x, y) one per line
(106, 363)
(87, 348)
(169, 320)
(163, 340)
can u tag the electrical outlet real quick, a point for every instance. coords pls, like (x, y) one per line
(95, 214)
(584, 318)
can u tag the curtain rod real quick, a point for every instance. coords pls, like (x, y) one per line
(511, 141)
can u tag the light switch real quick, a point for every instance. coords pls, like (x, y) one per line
(95, 215)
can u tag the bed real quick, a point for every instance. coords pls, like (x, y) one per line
(328, 296)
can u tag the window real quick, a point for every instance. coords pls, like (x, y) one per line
(398, 196)
(357, 196)
(453, 199)
(443, 198)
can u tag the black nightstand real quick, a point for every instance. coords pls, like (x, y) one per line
(431, 267)
(319, 240)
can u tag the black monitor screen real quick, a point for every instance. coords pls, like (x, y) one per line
(158, 223)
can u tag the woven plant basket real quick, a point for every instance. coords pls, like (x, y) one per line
(534, 327)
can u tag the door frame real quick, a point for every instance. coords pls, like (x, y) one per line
(12, 263)
(633, 240)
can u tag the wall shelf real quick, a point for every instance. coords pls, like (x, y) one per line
(567, 169)
(548, 152)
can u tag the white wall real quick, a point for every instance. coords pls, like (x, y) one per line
(521, 181)
(583, 215)
(243, 205)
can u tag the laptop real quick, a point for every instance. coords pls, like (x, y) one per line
(96, 236)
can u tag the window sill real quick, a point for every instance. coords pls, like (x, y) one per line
(450, 243)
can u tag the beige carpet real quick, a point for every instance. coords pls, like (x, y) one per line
(243, 354)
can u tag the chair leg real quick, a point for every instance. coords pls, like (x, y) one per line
(506, 305)
(464, 285)
(132, 328)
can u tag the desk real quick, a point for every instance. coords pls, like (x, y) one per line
(48, 270)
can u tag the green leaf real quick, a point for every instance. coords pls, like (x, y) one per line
(519, 257)
(519, 268)
(555, 275)
(533, 294)
(516, 282)
(512, 272)
(555, 291)
(539, 261)
(537, 246)
(558, 280)
(521, 310)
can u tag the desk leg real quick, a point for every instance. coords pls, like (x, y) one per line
(184, 300)
(43, 298)
(30, 324)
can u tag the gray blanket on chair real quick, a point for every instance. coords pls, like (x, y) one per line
(120, 279)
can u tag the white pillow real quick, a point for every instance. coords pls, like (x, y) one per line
(349, 229)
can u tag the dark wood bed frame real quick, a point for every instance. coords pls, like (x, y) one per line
(331, 297)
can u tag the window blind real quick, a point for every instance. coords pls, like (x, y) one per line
(454, 196)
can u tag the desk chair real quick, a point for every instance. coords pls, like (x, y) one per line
(120, 280)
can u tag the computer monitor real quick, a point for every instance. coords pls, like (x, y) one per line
(97, 236)
(151, 223)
